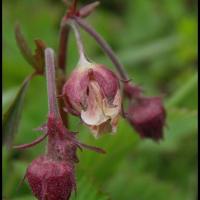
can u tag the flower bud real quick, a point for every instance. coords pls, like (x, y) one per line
(131, 90)
(93, 93)
(147, 116)
(50, 179)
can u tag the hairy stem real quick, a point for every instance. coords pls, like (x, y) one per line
(104, 45)
(61, 104)
(51, 84)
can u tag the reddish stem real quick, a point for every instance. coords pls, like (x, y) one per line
(64, 31)
(92, 148)
(62, 52)
(135, 90)
(88, 9)
(104, 45)
(37, 141)
(74, 6)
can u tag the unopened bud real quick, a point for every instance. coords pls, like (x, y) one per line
(147, 116)
(50, 179)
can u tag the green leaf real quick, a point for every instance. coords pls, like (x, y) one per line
(87, 190)
(13, 184)
(23, 46)
(12, 116)
(153, 170)
(7, 97)
(25, 198)
(134, 55)
(36, 60)
(116, 146)
(131, 183)
(149, 51)
(182, 92)
(126, 141)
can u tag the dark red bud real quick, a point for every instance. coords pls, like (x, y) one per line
(131, 90)
(148, 116)
(50, 179)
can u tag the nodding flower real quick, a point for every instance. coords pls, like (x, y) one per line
(93, 93)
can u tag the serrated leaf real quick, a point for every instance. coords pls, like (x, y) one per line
(12, 116)
(23, 46)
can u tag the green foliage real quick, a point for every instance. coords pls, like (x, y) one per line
(157, 43)
(35, 60)
(12, 116)
(23, 46)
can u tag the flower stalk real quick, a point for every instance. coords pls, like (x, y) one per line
(78, 39)
(62, 52)
(51, 83)
(104, 45)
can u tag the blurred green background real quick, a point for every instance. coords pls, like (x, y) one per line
(156, 40)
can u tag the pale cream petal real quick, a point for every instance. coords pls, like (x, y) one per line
(101, 129)
(114, 123)
(100, 116)
(114, 109)
(93, 115)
